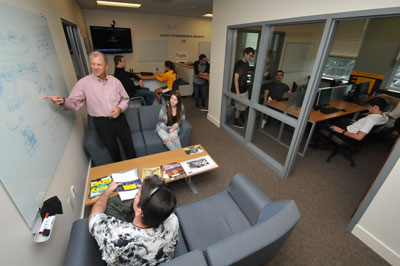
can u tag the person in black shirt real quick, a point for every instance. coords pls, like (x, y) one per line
(130, 87)
(201, 67)
(239, 84)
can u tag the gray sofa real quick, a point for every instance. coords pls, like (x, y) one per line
(239, 226)
(142, 122)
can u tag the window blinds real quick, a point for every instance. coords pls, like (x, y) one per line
(348, 38)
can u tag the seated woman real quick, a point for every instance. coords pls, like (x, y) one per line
(169, 77)
(170, 119)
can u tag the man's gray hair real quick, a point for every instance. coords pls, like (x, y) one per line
(97, 54)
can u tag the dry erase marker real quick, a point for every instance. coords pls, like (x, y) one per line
(43, 223)
(48, 225)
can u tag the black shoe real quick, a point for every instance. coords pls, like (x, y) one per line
(237, 123)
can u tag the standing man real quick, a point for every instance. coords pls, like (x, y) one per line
(239, 84)
(201, 67)
(274, 90)
(149, 239)
(130, 87)
(106, 101)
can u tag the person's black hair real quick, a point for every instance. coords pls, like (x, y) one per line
(170, 65)
(380, 102)
(202, 56)
(156, 201)
(248, 50)
(280, 71)
(117, 59)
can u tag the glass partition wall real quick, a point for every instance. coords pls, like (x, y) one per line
(268, 118)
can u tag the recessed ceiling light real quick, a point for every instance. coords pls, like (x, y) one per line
(121, 4)
(208, 15)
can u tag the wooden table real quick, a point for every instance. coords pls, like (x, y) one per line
(154, 160)
(315, 116)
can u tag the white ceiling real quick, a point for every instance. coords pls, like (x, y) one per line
(185, 8)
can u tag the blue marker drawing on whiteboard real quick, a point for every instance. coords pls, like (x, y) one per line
(31, 142)
(13, 43)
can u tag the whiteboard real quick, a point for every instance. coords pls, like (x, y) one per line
(33, 132)
(298, 57)
(152, 51)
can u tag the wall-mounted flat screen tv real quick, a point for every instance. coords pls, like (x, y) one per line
(111, 40)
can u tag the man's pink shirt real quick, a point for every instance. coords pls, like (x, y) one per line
(101, 97)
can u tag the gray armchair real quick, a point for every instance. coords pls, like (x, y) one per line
(239, 226)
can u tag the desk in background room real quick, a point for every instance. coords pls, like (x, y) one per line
(186, 73)
(315, 116)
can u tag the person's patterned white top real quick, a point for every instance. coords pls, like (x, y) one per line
(122, 243)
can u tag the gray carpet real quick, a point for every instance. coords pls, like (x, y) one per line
(326, 194)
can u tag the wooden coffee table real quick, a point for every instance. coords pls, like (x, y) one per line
(154, 160)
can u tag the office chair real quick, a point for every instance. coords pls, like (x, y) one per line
(348, 146)
(134, 99)
(175, 88)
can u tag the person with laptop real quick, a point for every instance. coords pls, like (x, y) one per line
(169, 77)
(149, 238)
(274, 90)
(130, 87)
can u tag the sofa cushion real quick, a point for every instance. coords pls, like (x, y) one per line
(247, 196)
(132, 116)
(181, 248)
(210, 220)
(138, 143)
(149, 116)
(195, 258)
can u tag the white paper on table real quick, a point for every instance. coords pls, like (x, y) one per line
(127, 195)
(125, 176)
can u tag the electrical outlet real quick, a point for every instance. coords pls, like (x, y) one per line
(73, 192)
(70, 203)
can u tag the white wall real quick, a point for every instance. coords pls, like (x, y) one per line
(233, 12)
(149, 27)
(17, 246)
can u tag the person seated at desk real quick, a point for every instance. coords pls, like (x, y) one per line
(147, 239)
(169, 77)
(357, 130)
(394, 113)
(130, 87)
(170, 119)
(274, 90)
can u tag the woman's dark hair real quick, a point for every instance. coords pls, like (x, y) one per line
(170, 65)
(156, 201)
(178, 110)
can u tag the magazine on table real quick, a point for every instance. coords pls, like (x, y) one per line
(128, 190)
(172, 171)
(99, 185)
(198, 165)
(130, 181)
(146, 172)
(193, 149)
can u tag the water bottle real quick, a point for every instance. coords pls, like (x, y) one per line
(157, 69)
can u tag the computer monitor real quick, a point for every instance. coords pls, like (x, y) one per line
(324, 97)
(339, 92)
(296, 99)
(362, 90)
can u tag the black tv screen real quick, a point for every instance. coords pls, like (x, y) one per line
(111, 40)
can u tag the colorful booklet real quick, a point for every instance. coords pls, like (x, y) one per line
(98, 186)
(198, 165)
(193, 149)
(146, 172)
(173, 171)
(130, 181)
(128, 190)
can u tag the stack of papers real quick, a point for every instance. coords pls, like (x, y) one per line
(130, 184)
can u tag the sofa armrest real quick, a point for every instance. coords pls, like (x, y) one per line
(195, 257)
(259, 243)
(82, 247)
(247, 196)
(185, 133)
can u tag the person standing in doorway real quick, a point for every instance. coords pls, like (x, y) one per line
(200, 67)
